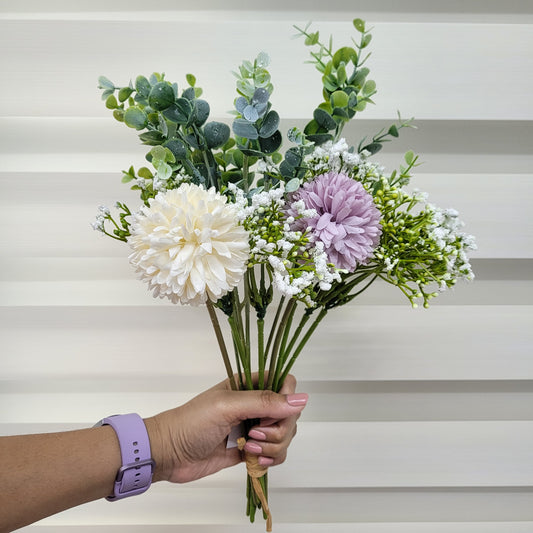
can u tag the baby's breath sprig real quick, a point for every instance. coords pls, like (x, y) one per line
(121, 230)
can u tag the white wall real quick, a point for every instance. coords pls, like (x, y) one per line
(419, 421)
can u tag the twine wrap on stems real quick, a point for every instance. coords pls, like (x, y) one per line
(256, 471)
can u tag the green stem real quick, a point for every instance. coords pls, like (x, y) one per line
(261, 352)
(238, 342)
(277, 341)
(245, 173)
(221, 343)
(303, 342)
(303, 322)
(274, 324)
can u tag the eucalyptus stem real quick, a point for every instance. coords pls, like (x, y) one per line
(221, 343)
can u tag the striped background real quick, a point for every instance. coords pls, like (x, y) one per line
(419, 421)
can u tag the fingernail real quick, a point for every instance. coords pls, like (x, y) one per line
(252, 447)
(257, 435)
(265, 461)
(297, 400)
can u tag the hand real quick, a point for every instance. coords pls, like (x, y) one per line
(189, 442)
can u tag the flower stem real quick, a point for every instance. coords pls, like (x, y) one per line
(277, 341)
(261, 352)
(221, 343)
(310, 331)
(274, 324)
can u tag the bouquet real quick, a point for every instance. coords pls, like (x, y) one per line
(270, 240)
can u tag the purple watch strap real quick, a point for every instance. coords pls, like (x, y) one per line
(135, 474)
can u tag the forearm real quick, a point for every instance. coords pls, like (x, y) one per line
(48, 473)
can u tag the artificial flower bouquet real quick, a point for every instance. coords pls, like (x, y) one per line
(268, 237)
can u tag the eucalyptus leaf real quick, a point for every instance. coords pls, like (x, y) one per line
(145, 173)
(295, 135)
(262, 60)
(243, 128)
(118, 114)
(250, 113)
(261, 78)
(365, 41)
(393, 130)
(324, 119)
(339, 99)
(292, 185)
(409, 157)
(245, 88)
(344, 55)
(201, 111)
(178, 148)
(106, 93)
(179, 112)
(320, 138)
(216, 134)
(373, 148)
(277, 158)
(124, 93)
(270, 144)
(191, 79)
(270, 124)
(293, 157)
(189, 93)
(359, 25)
(143, 87)
(105, 83)
(369, 87)
(135, 117)
(152, 138)
(241, 104)
(161, 96)
(286, 170)
(260, 96)
(111, 102)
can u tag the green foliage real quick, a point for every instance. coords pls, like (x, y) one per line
(376, 144)
(184, 144)
(345, 87)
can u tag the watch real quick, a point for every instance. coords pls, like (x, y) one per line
(135, 475)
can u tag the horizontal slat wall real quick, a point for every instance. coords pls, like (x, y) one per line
(419, 420)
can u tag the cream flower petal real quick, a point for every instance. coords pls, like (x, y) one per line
(188, 245)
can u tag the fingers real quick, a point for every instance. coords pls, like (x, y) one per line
(272, 436)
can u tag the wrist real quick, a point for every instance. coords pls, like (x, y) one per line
(159, 447)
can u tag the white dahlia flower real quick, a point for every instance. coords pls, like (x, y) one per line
(188, 245)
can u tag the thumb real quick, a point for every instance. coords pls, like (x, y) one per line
(242, 405)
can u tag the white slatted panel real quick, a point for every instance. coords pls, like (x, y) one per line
(419, 421)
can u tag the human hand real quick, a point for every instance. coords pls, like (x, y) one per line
(189, 442)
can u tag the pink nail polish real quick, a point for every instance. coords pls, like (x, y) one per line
(297, 400)
(265, 461)
(257, 435)
(252, 447)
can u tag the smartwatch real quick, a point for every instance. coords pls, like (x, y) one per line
(135, 475)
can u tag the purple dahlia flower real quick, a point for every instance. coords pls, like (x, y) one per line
(346, 219)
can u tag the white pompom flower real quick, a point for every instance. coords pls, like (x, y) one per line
(188, 245)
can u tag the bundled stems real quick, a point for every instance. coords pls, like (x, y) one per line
(221, 344)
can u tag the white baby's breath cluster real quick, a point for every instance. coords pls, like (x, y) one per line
(101, 217)
(339, 157)
(445, 229)
(297, 264)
